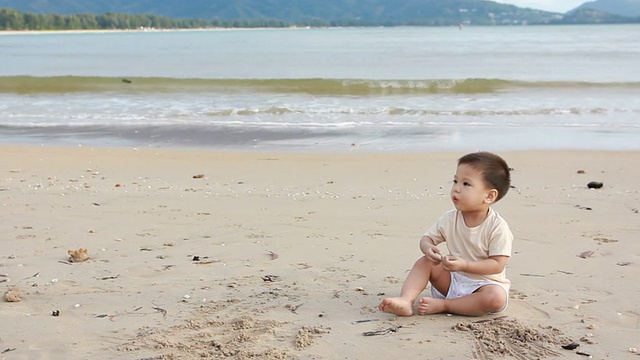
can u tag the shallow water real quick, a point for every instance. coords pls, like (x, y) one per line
(375, 89)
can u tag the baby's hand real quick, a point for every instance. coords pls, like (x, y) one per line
(453, 263)
(435, 255)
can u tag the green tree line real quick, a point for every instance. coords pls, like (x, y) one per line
(14, 20)
(17, 21)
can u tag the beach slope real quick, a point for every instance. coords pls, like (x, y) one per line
(198, 254)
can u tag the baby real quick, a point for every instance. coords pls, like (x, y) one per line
(471, 279)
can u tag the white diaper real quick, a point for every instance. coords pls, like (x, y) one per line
(462, 285)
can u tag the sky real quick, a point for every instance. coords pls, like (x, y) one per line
(561, 6)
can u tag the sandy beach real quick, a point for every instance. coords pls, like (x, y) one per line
(200, 254)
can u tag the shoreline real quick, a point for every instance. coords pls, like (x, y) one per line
(152, 30)
(145, 30)
(181, 242)
(285, 140)
(158, 150)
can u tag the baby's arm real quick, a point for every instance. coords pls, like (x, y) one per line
(492, 265)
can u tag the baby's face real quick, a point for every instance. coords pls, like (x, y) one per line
(469, 191)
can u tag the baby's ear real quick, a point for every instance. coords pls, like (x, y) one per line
(491, 196)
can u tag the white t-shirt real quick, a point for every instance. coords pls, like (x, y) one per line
(491, 238)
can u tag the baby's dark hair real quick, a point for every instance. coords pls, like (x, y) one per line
(494, 169)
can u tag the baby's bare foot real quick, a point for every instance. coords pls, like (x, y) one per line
(397, 306)
(431, 306)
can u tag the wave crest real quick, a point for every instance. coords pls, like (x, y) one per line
(328, 87)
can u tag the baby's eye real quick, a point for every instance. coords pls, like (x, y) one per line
(466, 184)
(455, 181)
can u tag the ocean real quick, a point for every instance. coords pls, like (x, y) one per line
(326, 90)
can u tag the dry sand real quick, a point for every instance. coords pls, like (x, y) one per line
(195, 254)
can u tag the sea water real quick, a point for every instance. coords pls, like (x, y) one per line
(329, 90)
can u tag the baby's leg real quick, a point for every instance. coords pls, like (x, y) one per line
(487, 299)
(420, 274)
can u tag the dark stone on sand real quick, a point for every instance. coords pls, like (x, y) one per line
(594, 185)
(571, 346)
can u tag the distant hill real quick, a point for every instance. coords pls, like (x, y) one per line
(592, 16)
(235, 13)
(626, 8)
(417, 12)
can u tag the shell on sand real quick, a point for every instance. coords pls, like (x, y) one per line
(78, 255)
(587, 254)
(12, 295)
